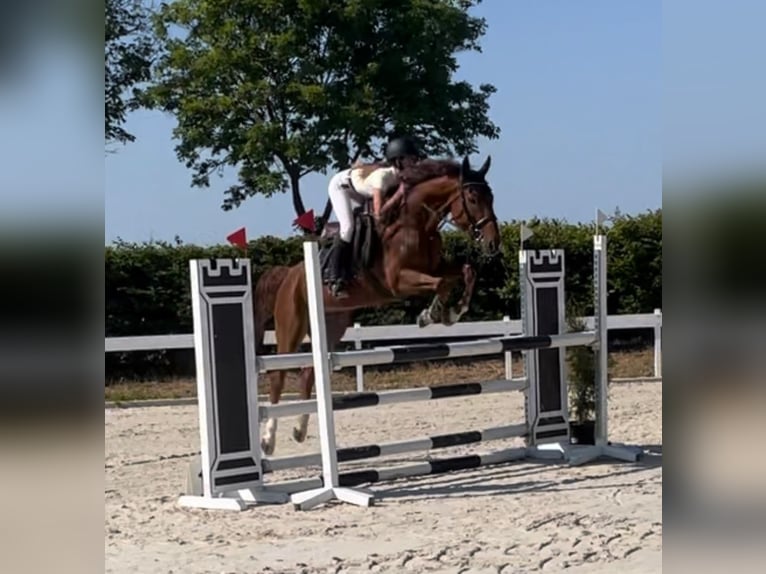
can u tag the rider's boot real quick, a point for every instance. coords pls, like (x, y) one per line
(339, 267)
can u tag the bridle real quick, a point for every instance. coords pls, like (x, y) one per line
(476, 227)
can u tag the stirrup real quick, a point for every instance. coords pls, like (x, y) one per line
(338, 290)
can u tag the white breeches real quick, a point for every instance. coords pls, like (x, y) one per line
(343, 203)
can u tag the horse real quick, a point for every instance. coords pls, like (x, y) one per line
(406, 261)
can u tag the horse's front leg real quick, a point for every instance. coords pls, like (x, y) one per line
(408, 282)
(438, 312)
(453, 315)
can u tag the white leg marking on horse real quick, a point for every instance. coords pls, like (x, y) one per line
(302, 428)
(269, 440)
(424, 318)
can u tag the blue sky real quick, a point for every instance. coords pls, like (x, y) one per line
(579, 103)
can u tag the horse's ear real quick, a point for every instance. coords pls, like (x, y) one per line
(466, 167)
(485, 168)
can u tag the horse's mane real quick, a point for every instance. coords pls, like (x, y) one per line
(425, 170)
(413, 175)
(428, 169)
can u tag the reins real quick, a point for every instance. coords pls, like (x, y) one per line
(442, 212)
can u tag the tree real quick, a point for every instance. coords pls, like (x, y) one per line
(282, 89)
(127, 62)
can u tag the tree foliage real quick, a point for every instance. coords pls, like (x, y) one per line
(127, 61)
(280, 89)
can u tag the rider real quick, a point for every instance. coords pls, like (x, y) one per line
(400, 152)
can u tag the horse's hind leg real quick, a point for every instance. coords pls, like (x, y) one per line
(276, 385)
(305, 384)
(290, 327)
(336, 324)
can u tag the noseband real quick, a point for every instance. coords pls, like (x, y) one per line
(477, 227)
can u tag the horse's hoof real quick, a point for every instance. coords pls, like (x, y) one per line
(338, 290)
(298, 435)
(450, 318)
(424, 319)
(340, 294)
(268, 449)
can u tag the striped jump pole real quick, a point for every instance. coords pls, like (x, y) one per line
(354, 453)
(372, 399)
(424, 468)
(428, 351)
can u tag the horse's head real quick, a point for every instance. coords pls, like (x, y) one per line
(473, 211)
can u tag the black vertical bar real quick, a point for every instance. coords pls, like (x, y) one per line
(231, 377)
(549, 360)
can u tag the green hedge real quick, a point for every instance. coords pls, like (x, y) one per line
(147, 285)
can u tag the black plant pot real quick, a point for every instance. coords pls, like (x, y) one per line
(582, 432)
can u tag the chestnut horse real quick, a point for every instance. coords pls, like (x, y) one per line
(407, 262)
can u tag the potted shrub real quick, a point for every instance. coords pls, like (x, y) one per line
(582, 393)
(581, 367)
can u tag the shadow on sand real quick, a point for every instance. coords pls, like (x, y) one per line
(522, 477)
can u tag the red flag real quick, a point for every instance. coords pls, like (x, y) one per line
(306, 221)
(239, 238)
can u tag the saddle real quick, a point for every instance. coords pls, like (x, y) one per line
(365, 242)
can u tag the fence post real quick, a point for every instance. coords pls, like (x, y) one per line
(658, 344)
(359, 368)
(508, 354)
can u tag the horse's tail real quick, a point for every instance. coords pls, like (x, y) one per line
(264, 299)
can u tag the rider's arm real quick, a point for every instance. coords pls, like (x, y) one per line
(390, 181)
(374, 184)
(394, 199)
(377, 199)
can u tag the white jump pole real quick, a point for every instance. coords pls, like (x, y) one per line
(331, 488)
(582, 454)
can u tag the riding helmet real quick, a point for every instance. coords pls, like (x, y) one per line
(401, 147)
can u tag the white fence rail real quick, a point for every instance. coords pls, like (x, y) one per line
(392, 333)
